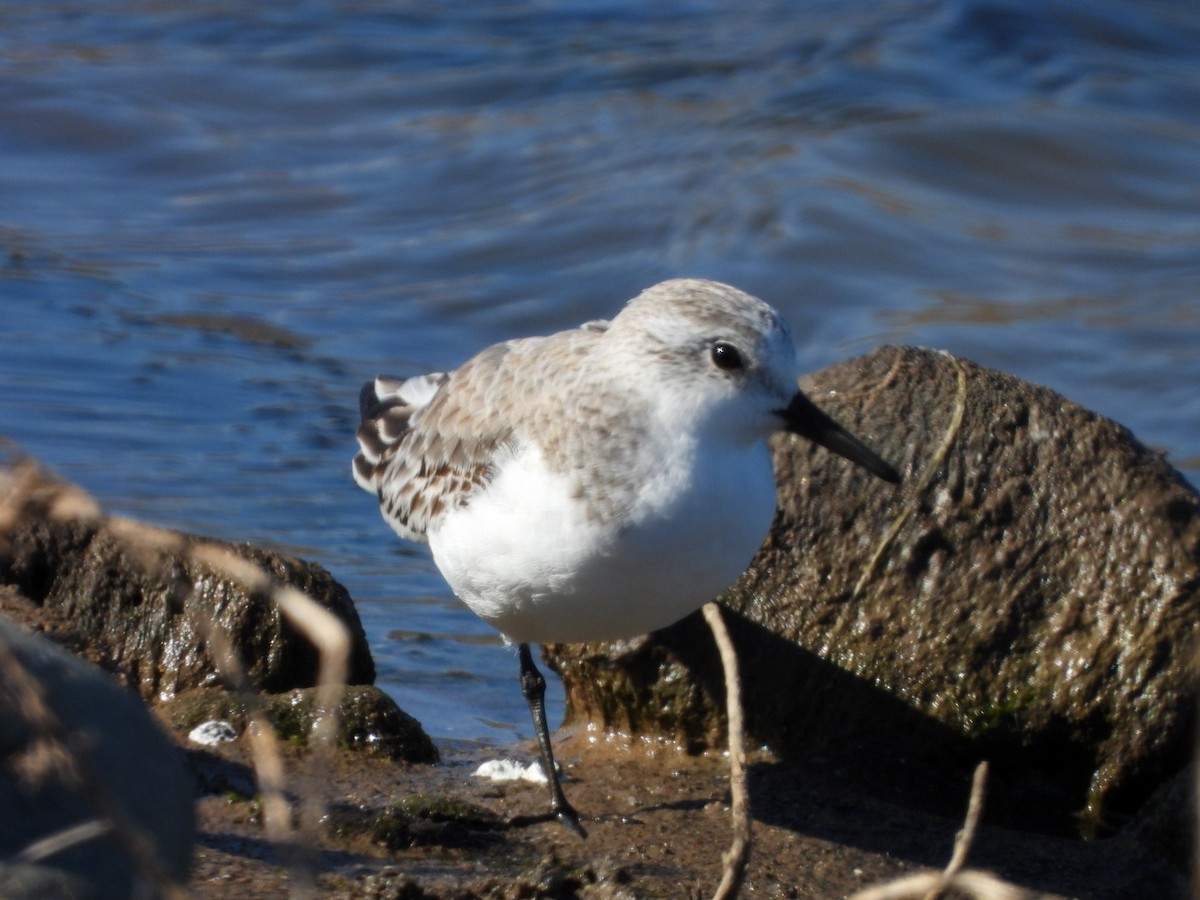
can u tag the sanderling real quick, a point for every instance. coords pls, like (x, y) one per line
(597, 483)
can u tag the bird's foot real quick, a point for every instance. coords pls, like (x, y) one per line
(570, 819)
(565, 815)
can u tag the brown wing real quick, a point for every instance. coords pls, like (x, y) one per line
(428, 444)
(421, 451)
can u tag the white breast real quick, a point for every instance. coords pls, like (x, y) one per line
(527, 557)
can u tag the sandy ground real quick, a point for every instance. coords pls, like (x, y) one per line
(658, 822)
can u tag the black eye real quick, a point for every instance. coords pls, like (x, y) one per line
(726, 356)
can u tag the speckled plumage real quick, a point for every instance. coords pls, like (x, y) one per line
(428, 451)
(596, 483)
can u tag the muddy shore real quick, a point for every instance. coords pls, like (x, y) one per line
(657, 817)
(658, 822)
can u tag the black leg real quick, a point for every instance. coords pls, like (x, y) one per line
(533, 686)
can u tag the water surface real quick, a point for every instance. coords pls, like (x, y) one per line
(217, 220)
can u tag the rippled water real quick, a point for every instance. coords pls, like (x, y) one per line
(218, 219)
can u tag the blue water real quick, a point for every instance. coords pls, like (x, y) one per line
(217, 219)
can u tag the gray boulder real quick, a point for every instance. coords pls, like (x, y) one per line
(78, 749)
(1030, 594)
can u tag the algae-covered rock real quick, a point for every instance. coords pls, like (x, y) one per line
(369, 720)
(147, 605)
(416, 819)
(1030, 593)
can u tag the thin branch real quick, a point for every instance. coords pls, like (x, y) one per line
(966, 835)
(973, 883)
(932, 885)
(332, 641)
(737, 857)
(62, 840)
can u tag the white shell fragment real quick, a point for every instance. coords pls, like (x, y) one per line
(214, 731)
(500, 770)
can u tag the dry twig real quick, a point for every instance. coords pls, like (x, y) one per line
(932, 885)
(332, 641)
(737, 857)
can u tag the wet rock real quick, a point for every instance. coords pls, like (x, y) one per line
(368, 719)
(1030, 594)
(371, 721)
(143, 602)
(78, 749)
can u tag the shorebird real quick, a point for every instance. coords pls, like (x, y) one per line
(597, 483)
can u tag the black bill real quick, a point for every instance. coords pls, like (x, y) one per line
(803, 418)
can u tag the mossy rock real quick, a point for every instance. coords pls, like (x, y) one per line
(417, 819)
(1029, 595)
(369, 719)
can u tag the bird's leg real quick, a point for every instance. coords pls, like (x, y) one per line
(533, 686)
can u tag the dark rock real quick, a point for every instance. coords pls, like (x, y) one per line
(76, 748)
(369, 719)
(145, 603)
(444, 808)
(418, 819)
(1031, 594)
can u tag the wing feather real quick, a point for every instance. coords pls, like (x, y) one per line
(415, 454)
(428, 444)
